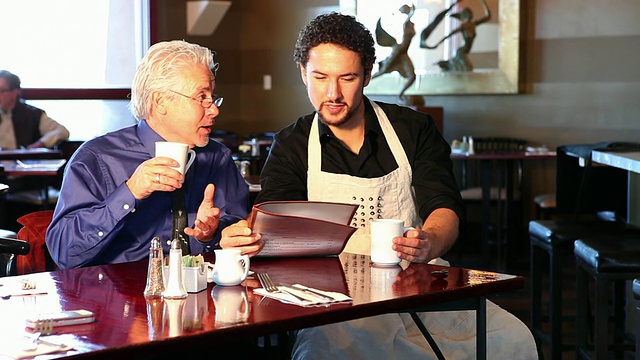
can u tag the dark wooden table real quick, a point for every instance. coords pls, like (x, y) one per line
(129, 325)
(32, 167)
(21, 154)
(504, 168)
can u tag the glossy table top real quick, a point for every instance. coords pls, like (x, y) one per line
(39, 153)
(32, 167)
(515, 155)
(623, 160)
(127, 323)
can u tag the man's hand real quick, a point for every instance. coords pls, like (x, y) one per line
(152, 175)
(207, 218)
(415, 247)
(438, 234)
(36, 145)
(240, 236)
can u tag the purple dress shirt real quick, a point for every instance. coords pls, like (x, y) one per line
(97, 220)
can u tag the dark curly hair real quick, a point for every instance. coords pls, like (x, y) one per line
(338, 29)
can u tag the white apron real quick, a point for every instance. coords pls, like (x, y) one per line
(392, 336)
(390, 196)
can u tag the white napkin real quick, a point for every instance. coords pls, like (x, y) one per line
(12, 286)
(15, 350)
(311, 299)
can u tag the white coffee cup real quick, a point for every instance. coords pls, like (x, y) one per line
(231, 268)
(179, 152)
(382, 233)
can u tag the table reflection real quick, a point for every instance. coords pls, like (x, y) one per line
(231, 305)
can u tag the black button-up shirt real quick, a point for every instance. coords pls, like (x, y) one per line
(284, 176)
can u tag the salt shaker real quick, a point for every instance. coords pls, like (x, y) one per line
(255, 147)
(175, 286)
(244, 169)
(155, 281)
(464, 146)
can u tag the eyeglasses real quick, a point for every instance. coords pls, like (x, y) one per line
(205, 102)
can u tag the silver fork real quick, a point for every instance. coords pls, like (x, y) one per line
(267, 284)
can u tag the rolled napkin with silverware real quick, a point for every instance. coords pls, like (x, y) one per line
(302, 295)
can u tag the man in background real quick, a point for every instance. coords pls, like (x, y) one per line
(22, 125)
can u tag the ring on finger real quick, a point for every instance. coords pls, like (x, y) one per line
(158, 178)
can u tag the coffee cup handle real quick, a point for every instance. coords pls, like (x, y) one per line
(192, 158)
(244, 260)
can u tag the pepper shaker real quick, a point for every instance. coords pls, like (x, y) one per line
(155, 281)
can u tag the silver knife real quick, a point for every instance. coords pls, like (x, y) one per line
(311, 291)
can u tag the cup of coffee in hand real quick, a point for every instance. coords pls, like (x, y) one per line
(179, 152)
(382, 233)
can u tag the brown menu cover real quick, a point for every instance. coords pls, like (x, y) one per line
(302, 228)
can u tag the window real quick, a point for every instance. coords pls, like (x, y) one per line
(78, 52)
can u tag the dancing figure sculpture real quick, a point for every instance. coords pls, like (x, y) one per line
(398, 60)
(467, 28)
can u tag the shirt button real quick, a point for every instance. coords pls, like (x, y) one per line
(125, 206)
(100, 233)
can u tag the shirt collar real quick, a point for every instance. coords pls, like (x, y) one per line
(148, 137)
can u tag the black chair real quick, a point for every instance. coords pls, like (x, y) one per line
(583, 207)
(545, 205)
(9, 249)
(506, 212)
(611, 261)
(636, 296)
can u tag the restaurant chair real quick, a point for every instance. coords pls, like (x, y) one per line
(636, 296)
(589, 201)
(545, 205)
(610, 261)
(9, 249)
(38, 259)
(510, 174)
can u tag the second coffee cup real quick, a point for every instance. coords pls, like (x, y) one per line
(382, 233)
(231, 267)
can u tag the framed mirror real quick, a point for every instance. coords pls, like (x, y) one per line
(454, 46)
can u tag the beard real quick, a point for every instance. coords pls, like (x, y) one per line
(340, 121)
(204, 142)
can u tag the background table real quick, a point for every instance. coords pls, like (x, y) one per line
(503, 167)
(22, 154)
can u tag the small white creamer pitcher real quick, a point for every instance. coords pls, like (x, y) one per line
(231, 268)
